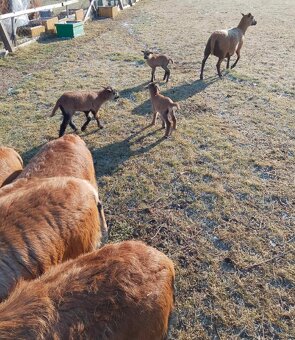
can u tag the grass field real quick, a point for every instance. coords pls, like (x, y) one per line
(218, 196)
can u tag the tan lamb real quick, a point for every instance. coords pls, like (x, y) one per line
(158, 60)
(165, 106)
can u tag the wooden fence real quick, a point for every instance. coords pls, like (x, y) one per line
(10, 41)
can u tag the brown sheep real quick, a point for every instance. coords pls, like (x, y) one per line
(163, 105)
(157, 60)
(123, 291)
(86, 101)
(11, 165)
(65, 156)
(225, 43)
(44, 222)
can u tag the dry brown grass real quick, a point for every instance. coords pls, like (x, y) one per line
(218, 197)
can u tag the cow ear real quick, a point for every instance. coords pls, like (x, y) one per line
(249, 15)
(243, 14)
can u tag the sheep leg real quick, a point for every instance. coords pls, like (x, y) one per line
(72, 125)
(155, 114)
(163, 122)
(203, 66)
(97, 120)
(167, 73)
(238, 57)
(228, 59)
(173, 120)
(207, 52)
(153, 74)
(168, 124)
(218, 67)
(88, 119)
(64, 124)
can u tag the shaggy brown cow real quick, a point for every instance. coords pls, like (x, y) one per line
(65, 156)
(44, 222)
(123, 291)
(11, 165)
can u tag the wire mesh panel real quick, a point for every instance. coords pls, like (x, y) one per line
(113, 2)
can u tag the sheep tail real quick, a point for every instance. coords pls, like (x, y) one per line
(208, 47)
(51, 114)
(171, 61)
(176, 105)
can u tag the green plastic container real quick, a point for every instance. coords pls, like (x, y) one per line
(70, 29)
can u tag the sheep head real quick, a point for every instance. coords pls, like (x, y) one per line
(146, 54)
(111, 93)
(249, 19)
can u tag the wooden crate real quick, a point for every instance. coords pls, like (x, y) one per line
(108, 11)
(79, 14)
(36, 31)
(49, 24)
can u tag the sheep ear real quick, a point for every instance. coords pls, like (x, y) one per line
(243, 14)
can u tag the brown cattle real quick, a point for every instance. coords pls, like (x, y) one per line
(44, 222)
(66, 156)
(11, 165)
(123, 291)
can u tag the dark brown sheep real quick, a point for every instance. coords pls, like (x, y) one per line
(86, 101)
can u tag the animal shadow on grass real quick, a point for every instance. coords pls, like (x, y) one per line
(28, 155)
(108, 158)
(177, 93)
(127, 93)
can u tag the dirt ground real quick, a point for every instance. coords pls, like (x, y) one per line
(218, 196)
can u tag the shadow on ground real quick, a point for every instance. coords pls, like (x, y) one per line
(178, 93)
(28, 155)
(127, 93)
(108, 158)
